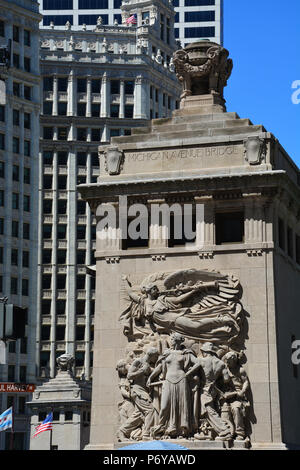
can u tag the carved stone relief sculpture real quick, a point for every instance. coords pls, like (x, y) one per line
(255, 150)
(181, 376)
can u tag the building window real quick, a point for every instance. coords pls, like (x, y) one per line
(81, 133)
(199, 16)
(81, 232)
(81, 85)
(61, 206)
(15, 201)
(1, 226)
(114, 110)
(25, 259)
(46, 281)
(229, 227)
(80, 307)
(16, 117)
(297, 244)
(281, 234)
(92, 19)
(129, 243)
(62, 158)
(61, 256)
(197, 3)
(11, 373)
(62, 133)
(48, 158)
(16, 145)
(48, 83)
(46, 307)
(96, 86)
(2, 141)
(128, 111)
(58, 20)
(16, 89)
(27, 37)
(2, 169)
(27, 120)
(47, 181)
(16, 33)
(129, 87)
(14, 286)
(60, 307)
(15, 228)
(96, 135)
(62, 109)
(2, 28)
(80, 331)
(61, 281)
(15, 173)
(47, 107)
(27, 64)
(26, 231)
(95, 110)
(81, 207)
(81, 158)
(80, 256)
(26, 203)
(26, 175)
(1, 197)
(62, 84)
(81, 109)
(27, 148)
(115, 87)
(2, 113)
(61, 231)
(290, 241)
(48, 133)
(69, 414)
(60, 332)
(25, 287)
(27, 92)
(58, 4)
(47, 256)
(80, 282)
(114, 132)
(47, 231)
(14, 257)
(93, 4)
(47, 206)
(199, 32)
(62, 182)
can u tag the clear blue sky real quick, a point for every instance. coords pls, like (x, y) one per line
(263, 38)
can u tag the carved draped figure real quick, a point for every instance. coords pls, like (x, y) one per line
(175, 417)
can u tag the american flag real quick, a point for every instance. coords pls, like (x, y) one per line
(46, 425)
(132, 19)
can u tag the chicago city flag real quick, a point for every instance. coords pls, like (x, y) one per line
(6, 419)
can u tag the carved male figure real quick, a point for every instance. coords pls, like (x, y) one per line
(212, 369)
(236, 394)
(137, 426)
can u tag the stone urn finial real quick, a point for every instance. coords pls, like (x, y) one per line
(65, 362)
(203, 68)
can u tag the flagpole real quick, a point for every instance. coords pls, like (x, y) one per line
(12, 430)
(51, 431)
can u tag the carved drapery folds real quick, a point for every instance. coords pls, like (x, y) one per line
(202, 68)
(182, 374)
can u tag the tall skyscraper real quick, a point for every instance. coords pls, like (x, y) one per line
(19, 151)
(195, 19)
(95, 85)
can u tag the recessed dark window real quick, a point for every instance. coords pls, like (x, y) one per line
(129, 87)
(80, 331)
(62, 206)
(61, 281)
(129, 243)
(48, 83)
(48, 158)
(45, 332)
(62, 84)
(60, 332)
(281, 234)
(62, 109)
(115, 87)
(62, 158)
(80, 282)
(27, 64)
(95, 110)
(80, 307)
(46, 307)
(47, 255)
(81, 85)
(81, 158)
(229, 227)
(114, 110)
(81, 109)
(96, 86)
(27, 37)
(26, 176)
(81, 133)
(61, 256)
(60, 307)
(297, 243)
(69, 415)
(61, 231)
(48, 133)
(47, 107)
(290, 242)
(46, 281)
(81, 229)
(62, 133)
